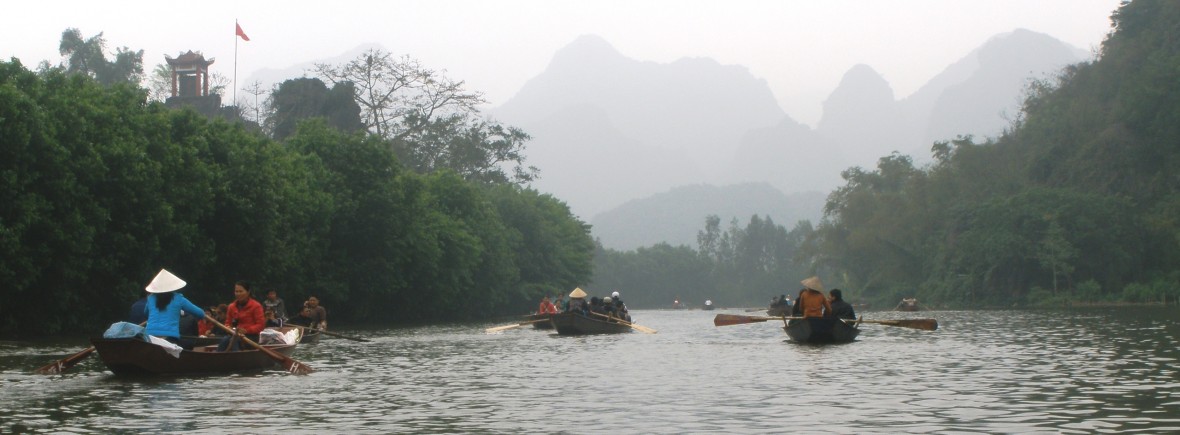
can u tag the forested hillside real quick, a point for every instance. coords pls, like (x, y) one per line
(1076, 203)
(101, 189)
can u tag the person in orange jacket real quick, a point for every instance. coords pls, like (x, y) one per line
(245, 314)
(546, 307)
(811, 301)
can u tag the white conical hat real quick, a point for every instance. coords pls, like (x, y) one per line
(813, 283)
(164, 282)
(578, 293)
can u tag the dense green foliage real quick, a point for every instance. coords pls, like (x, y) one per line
(101, 189)
(737, 266)
(1076, 203)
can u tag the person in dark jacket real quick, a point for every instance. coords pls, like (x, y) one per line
(841, 309)
(138, 312)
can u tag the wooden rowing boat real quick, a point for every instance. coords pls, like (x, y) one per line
(539, 321)
(133, 356)
(578, 324)
(821, 330)
(310, 336)
(779, 311)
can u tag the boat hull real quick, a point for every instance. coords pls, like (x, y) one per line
(821, 330)
(577, 324)
(310, 336)
(540, 321)
(135, 357)
(779, 311)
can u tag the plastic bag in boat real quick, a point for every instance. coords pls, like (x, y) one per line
(168, 346)
(125, 330)
(270, 336)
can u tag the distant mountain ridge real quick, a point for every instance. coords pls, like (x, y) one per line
(611, 132)
(629, 224)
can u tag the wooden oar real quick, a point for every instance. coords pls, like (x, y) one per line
(329, 333)
(288, 363)
(923, 324)
(733, 319)
(639, 328)
(64, 364)
(515, 325)
(56, 367)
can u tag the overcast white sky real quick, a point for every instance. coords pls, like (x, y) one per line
(801, 48)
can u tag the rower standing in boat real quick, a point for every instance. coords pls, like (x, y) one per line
(841, 309)
(164, 307)
(811, 301)
(245, 314)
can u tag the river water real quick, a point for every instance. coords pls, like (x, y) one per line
(1103, 370)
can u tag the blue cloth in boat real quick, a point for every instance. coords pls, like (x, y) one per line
(125, 330)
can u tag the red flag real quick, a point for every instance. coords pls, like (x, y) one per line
(241, 33)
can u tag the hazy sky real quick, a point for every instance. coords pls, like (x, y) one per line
(801, 48)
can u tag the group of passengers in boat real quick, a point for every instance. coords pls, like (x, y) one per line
(171, 316)
(610, 306)
(811, 302)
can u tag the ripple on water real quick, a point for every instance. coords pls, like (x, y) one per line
(990, 372)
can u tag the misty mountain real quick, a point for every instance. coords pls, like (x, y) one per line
(630, 224)
(979, 95)
(989, 100)
(608, 129)
(599, 165)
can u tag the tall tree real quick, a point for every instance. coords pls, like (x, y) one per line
(304, 98)
(88, 57)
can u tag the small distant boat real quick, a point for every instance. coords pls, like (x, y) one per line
(540, 321)
(578, 324)
(310, 336)
(908, 304)
(821, 330)
(708, 305)
(133, 356)
(676, 305)
(779, 310)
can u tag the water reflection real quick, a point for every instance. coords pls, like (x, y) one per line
(1082, 371)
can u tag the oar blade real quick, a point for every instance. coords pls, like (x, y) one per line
(642, 328)
(503, 328)
(734, 319)
(923, 324)
(62, 365)
(296, 368)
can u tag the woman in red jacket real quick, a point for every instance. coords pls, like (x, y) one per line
(245, 314)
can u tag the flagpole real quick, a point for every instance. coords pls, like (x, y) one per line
(236, 68)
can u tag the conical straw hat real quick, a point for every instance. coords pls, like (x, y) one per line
(164, 282)
(813, 283)
(578, 293)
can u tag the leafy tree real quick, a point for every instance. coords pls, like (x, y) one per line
(477, 149)
(298, 99)
(88, 57)
(399, 96)
(431, 121)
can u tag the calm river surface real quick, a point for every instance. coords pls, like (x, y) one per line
(1109, 370)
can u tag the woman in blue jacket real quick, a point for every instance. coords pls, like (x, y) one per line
(164, 305)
